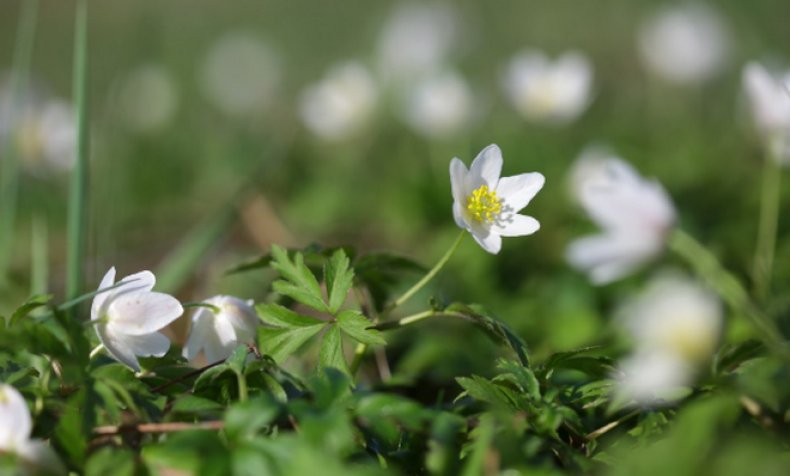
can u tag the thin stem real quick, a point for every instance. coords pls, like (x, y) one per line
(408, 320)
(95, 351)
(425, 279)
(242, 380)
(767, 226)
(77, 209)
(186, 376)
(9, 166)
(728, 287)
(610, 426)
(168, 427)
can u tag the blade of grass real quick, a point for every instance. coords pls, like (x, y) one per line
(39, 257)
(9, 168)
(77, 208)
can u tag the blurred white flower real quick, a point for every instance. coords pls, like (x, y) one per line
(675, 315)
(651, 378)
(589, 167)
(341, 103)
(636, 215)
(129, 317)
(486, 205)
(684, 43)
(769, 98)
(16, 427)
(241, 74)
(147, 98)
(554, 92)
(416, 40)
(439, 105)
(217, 333)
(42, 127)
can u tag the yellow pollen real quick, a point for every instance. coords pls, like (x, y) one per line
(483, 204)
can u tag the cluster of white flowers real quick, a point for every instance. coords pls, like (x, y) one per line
(129, 317)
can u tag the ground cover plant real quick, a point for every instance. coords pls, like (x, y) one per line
(403, 238)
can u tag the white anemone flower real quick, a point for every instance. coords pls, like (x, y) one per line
(684, 44)
(552, 92)
(341, 103)
(769, 98)
(675, 315)
(129, 317)
(636, 216)
(486, 205)
(147, 98)
(16, 426)
(241, 74)
(416, 40)
(218, 332)
(651, 378)
(440, 105)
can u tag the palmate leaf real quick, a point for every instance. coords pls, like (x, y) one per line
(279, 343)
(339, 279)
(495, 328)
(279, 316)
(301, 284)
(355, 325)
(331, 354)
(487, 391)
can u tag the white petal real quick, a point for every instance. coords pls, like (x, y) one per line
(518, 190)
(215, 350)
(224, 331)
(458, 215)
(486, 168)
(15, 422)
(99, 299)
(458, 173)
(40, 458)
(154, 344)
(143, 313)
(198, 333)
(609, 257)
(138, 282)
(489, 241)
(516, 225)
(241, 316)
(116, 345)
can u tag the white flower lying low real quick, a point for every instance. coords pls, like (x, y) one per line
(675, 325)
(487, 205)
(636, 215)
(218, 333)
(129, 317)
(769, 98)
(15, 429)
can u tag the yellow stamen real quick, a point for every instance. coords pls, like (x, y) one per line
(483, 204)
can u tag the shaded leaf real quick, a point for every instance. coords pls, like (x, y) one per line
(280, 343)
(331, 354)
(339, 279)
(356, 326)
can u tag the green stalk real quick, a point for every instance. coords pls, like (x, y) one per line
(77, 208)
(39, 257)
(766, 232)
(242, 381)
(728, 287)
(9, 167)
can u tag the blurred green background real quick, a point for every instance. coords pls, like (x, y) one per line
(154, 188)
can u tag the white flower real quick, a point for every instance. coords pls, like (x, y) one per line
(544, 91)
(684, 44)
(147, 98)
(440, 105)
(241, 74)
(635, 214)
(218, 333)
(650, 378)
(486, 205)
(677, 316)
(15, 430)
(769, 97)
(341, 103)
(416, 40)
(129, 317)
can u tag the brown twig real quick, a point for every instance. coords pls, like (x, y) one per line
(186, 376)
(169, 427)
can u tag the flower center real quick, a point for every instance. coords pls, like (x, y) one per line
(483, 204)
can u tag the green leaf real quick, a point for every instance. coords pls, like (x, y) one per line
(356, 325)
(32, 303)
(279, 316)
(263, 262)
(244, 420)
(237, 359)
(331, 354)
(302, 285)
(339, 279)
(115, 461)
(521, 376)
(193, 404)
(496, 329)
(280, 343)
(483, 390)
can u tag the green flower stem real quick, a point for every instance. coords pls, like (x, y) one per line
(766, 231)
(242, 380)
(96, 350)
(361, 349)
(728, 287)
(421, 283)
(408, 320)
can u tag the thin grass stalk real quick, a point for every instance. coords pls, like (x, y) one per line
(77, 208)
(9, 167)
